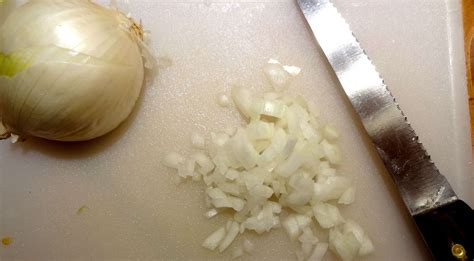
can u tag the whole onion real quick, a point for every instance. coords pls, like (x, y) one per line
(70, 70)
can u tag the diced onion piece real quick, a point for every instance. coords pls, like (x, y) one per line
(297, 158)
(261, 222)
(301, 101)
(243, 100)
(332, 188)
(243, 150)
(14, 138)
(215, 193)
(277, 75)
(314, 122)
(230, 188)
(214, 178)
(308, 240)
(277, 145)
(273, 108)
(330, 133)
(308, 237)
(251, 181)
(198, 141)
(261, 191)
(173, 160)
(236, 203)
(219, 139)
(232, 232)
(366, 244)
(313, 109)
(319, 252)
(187, 169)
(223, 100)
(331, 152)
(315, 148)
(275, 207)
(307, 130)
(302, 220)
(292, 70)
(256, 108)
(302, 191)
(294, 224)
(211, 213)
(248, 246)
(291, 227)
(293, 121)
(347, 197)
(232, 174)
(345, 245)
(221, 203)
(260, 130)
(220, 200)
(301, 113)
(205, 164)
(303, 210)
(214, 239)
(327, 215)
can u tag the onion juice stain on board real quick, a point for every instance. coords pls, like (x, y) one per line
(6, 241)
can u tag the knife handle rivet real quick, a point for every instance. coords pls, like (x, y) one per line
(458, 251)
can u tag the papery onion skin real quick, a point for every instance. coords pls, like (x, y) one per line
(84, 69)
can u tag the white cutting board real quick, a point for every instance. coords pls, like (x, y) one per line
(135, 211)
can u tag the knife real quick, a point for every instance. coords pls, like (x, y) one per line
(445, 222)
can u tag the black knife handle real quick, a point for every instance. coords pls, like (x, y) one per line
(448, 231)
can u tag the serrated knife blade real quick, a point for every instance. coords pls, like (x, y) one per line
(445, 222)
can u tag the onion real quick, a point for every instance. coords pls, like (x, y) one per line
(281, 164)
(187, 169)
(72, 71)
(291, 227)
(243, 100)
(332, 188)
(203, 162)
(223, 100)
(260, 130)
(211, 213)
(232, 230)
(213, 241)
(327, 215)
(279, 75)
(366, 244)
(345, 245)
(331, 152)
(319, 252)
(347, 197)
(173, 160)
(273, 108)
(330, 133)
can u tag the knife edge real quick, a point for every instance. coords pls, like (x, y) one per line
(418, 180)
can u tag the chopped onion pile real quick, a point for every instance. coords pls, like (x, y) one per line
(277, 171)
